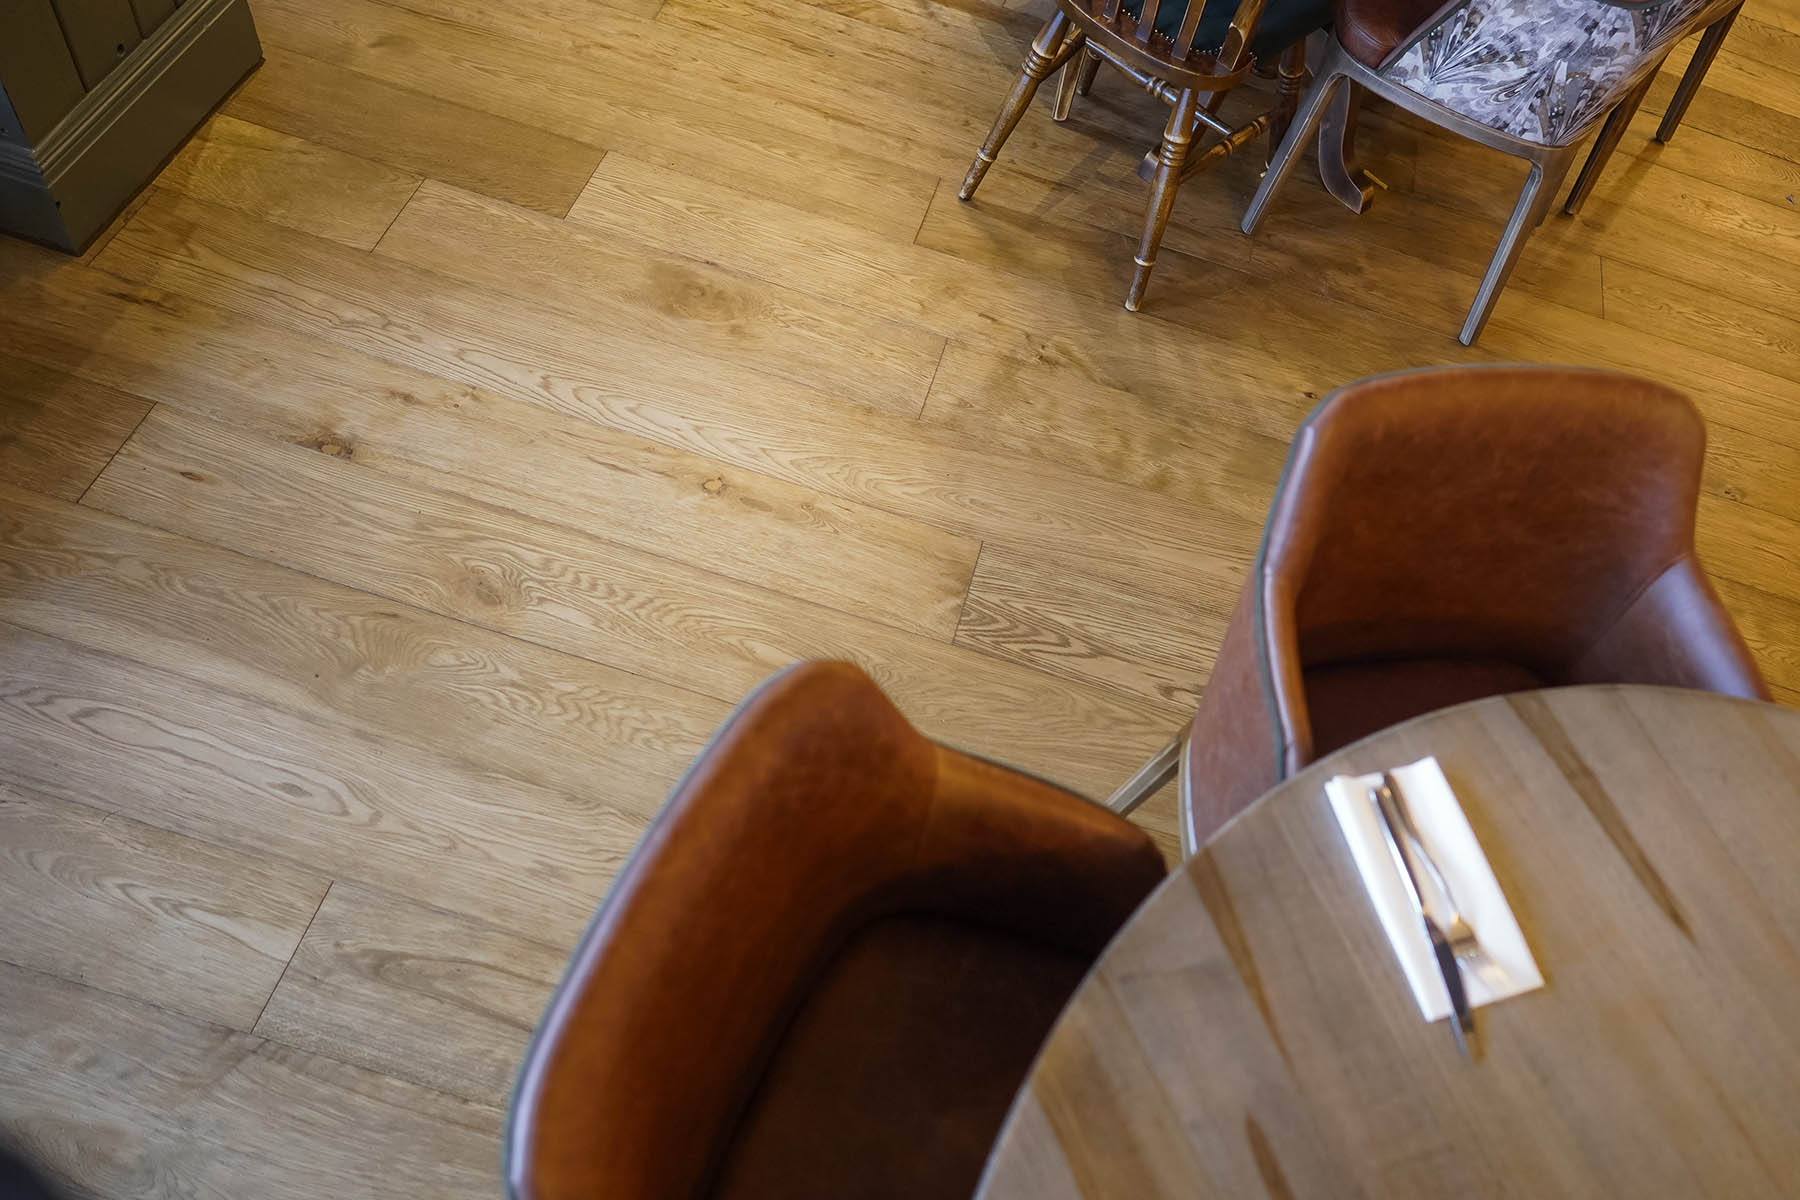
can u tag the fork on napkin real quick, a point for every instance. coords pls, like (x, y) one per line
(1503, 965)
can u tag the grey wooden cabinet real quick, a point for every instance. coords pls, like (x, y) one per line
(95, 95)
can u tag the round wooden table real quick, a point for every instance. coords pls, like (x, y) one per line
(1249, 1032)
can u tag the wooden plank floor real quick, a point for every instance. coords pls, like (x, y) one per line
(401, 491)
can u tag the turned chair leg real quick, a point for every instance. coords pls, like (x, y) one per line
(1305, 122)
(1090, 66)
(1534, 201)
(1290, 85)
(1044, 56)
(1068, 83)
(1616, 123)
(1704, 53)
(1337, 151)
(1178, 135)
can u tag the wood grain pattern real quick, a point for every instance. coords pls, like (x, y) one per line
(122, 906)
(671, 299)
(549, 370)
(254, 170)
(57, 431)
(500, 449)
(340, 801)
(224, 621)
(131, 1100)
(573, 592)
(705, 405)
(1646, 839)
(1140, 641)
(414, 993)
(410, 132)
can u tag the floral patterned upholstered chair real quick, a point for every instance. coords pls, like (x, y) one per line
(1529, 77)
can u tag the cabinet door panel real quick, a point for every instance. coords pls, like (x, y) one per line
(100, 33)
(36, 72)
(151, 13)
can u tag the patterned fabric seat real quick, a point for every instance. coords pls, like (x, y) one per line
(1542, 70)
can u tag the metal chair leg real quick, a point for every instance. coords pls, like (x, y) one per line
(1337, 151)
(1534, 201)
(1044, 56)
(1067, 83)
(1152, 775)
(1305, 123)
(1604, 145)
(1704, 53)
(1178, 135)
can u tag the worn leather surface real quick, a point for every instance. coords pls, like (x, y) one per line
(821, 863)
(1444, 535)
(1371, 29)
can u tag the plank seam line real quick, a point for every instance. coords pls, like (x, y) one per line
(403, 207)
(290, 962)
(925, 400)
(154, 405)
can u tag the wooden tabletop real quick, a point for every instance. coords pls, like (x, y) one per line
(1249, 1032)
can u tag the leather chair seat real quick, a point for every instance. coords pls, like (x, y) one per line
(1284, 22)
(1372, 29)
(1348, 701)
(895, 1075)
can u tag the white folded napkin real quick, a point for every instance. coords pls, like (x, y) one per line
(1506, 967)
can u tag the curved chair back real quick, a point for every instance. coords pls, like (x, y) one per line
(1163, 39)
(1447, 534)
(826, 968)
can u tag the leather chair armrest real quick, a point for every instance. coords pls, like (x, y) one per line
(1676, 633)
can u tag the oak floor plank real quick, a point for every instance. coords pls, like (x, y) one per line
(337, 800)
(569, 591)
(821, 343)
(717, 409)
(358, 115)
(486, 530)
(226, 622)
(1141, 643)
(496, 448)
(1186, 444)
(120, 1098)
(56, 430)
(414, 993)
(1655, 303)
(114, 904)
(1028, 317)
(1770, 623)
(290, 181)
(704, 117)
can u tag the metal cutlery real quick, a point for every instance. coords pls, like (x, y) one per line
(1403, 843)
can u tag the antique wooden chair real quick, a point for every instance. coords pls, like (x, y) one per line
(1186, 54)
(1528, 77)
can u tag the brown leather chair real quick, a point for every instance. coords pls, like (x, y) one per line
(1448, 534)
(827, 967)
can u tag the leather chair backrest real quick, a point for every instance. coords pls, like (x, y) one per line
(815, 811)
(1509, 513)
